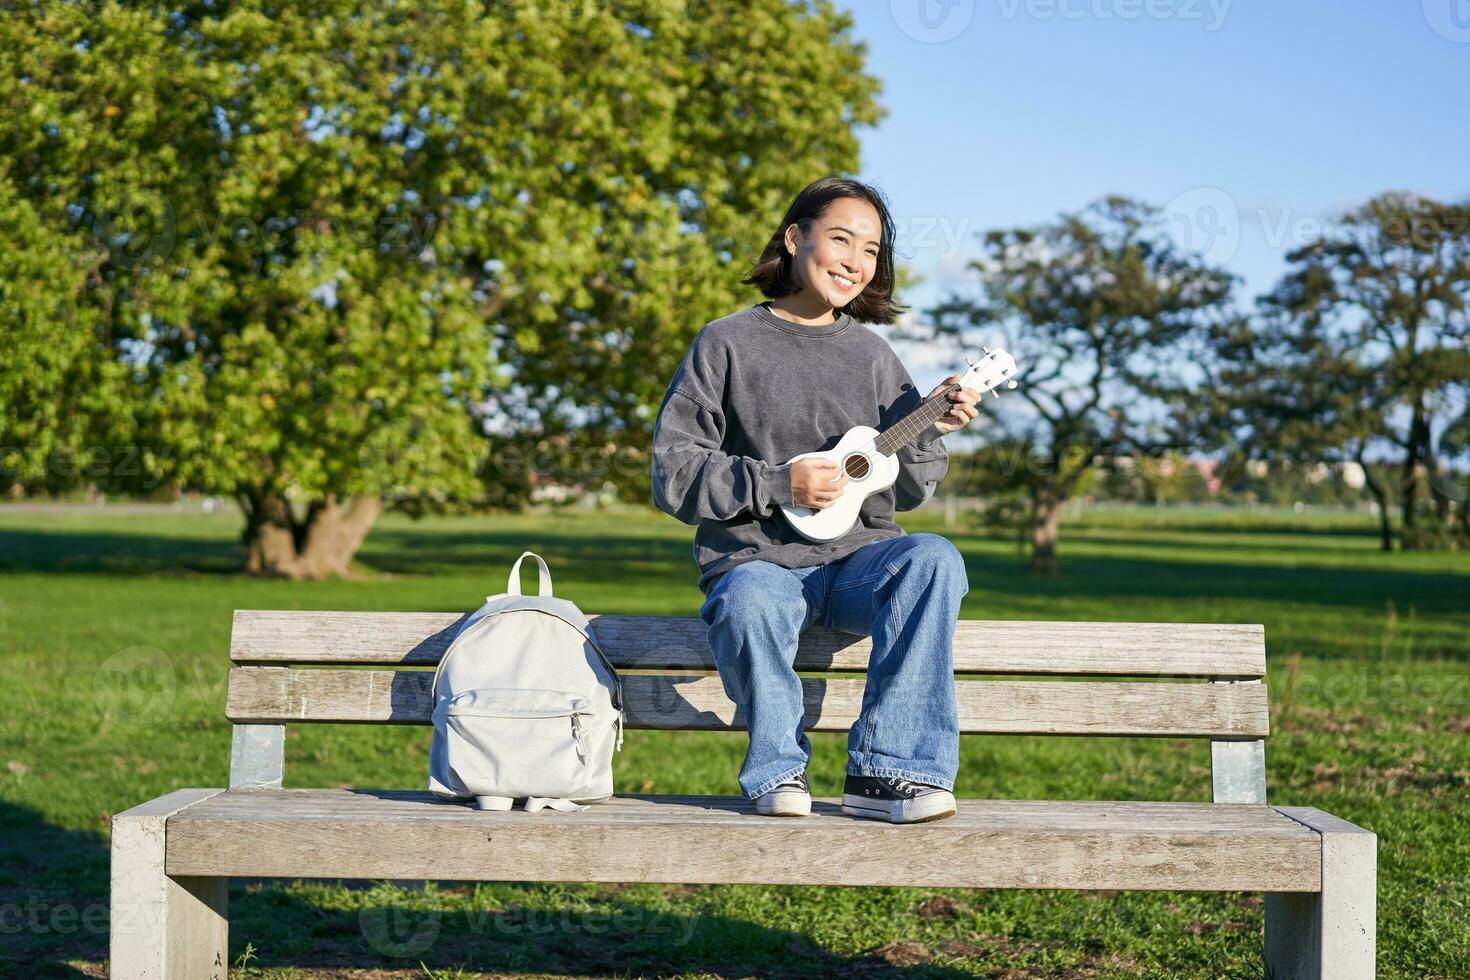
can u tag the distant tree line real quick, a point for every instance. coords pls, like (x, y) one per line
(1133, 347)
(1178, 478)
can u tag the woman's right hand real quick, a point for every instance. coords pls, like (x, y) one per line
(816, 482)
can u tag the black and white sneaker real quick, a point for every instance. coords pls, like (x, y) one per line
(895, 800)
(792, 798)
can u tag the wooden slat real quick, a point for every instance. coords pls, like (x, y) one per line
(281, 694)
(987, 844)
(667, 642)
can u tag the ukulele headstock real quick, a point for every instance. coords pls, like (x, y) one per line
(993, 369)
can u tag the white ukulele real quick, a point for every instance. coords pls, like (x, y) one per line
(868, 456)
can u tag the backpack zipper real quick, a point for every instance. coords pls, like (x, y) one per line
(580, 734)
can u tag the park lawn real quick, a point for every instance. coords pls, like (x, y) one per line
(1369, 662)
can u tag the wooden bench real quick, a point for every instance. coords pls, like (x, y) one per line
(172, 858)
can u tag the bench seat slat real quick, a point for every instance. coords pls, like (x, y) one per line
(987, 844)
(279, 694)
(396, 804)
(664, 642)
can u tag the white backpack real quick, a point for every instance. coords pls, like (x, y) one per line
(526, 705)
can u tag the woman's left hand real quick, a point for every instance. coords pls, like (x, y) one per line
(962, 406)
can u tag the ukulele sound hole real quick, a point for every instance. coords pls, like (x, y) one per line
(856, 466)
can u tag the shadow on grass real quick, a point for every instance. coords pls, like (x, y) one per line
(112, 552)
(408, 551)
(393, 550)
(600, 935)
(1227, 527)
(1265, 541)
(53, 896)
(1097, 577)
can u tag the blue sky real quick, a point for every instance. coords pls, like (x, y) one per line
(1254, 123)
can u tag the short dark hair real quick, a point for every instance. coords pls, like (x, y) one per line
(774, 275)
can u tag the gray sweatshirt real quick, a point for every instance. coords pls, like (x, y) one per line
(755, 390)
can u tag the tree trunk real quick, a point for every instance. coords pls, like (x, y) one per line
(319, 546)
(268, 536)
(1046, 516)
(1380, 494)
(1409, 475)
(1442, 510)
(1443, 505)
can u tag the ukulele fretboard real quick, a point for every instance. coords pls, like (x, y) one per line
(912, 425)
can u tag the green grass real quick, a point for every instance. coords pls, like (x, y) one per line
(1369, 661)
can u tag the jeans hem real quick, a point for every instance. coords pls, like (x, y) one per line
(912, 775)
(771, 784)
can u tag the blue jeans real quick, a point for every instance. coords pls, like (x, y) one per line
(905, 593)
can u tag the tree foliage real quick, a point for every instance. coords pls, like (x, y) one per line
(308, 249)
(1105, 316)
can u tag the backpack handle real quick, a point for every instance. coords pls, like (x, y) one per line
(513, 587)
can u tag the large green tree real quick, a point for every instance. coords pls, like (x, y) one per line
(1106, 317)
(325, 243)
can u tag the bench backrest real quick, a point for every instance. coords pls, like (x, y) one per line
(1199, 681)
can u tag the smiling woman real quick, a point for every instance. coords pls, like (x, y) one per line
(833, 253)
(757, 389)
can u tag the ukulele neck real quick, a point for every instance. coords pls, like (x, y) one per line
(912, 425)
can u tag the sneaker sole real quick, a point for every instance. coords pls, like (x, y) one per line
(933, 806)
(785, 805)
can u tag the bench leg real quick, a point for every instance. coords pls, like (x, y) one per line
(257, 756)
(163, 928)
(1331, 935)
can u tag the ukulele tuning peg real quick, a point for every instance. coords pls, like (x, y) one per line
(1010, 384)
(985, 349)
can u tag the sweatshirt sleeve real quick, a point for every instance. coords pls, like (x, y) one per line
(693, 479)
(923, 463)
(921, 468)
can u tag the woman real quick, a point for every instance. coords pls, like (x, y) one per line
(791, 376)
